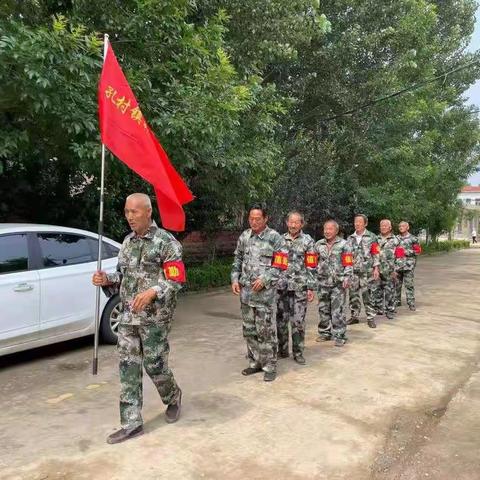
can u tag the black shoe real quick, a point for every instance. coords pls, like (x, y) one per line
(340, 341)
(122, 435)
(270, 376)
(283, 355)
(379, 312)
(299, 359)
(412, 308)
(173, 410)
(390, 315)
(323, 338)
(372, 324)
(353, 320)
(251, 371)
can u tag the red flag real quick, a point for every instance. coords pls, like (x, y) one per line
(126, 134)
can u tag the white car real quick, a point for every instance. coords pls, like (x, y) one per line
(46, 291)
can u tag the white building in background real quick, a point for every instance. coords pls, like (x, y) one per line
(469, 219)
(470, 196)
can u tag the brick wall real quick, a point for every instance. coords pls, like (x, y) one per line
(199, 246)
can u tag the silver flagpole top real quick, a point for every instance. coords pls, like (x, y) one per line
(105, 45)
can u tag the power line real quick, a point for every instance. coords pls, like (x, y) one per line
(370, 103)
(410, 88)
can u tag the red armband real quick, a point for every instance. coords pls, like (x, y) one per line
(280, 260)
(311, 259)
(417, 248)
(375, 248)
(399, 252)
(175, 271)
(347, 259)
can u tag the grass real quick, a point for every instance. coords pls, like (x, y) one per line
(446, 246)
(202, 276)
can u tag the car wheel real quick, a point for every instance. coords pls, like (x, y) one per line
(110, 320)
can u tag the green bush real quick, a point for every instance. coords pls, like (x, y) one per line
(446, 246)
(207, 275)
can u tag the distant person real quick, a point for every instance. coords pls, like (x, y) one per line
(406, 275)
(363, 244)
(334, 273)
(392, 260)
(474, 236)
(296, 288)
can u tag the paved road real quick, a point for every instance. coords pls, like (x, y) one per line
(401, 402)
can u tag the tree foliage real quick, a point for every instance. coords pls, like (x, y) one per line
(249, 100)
(403, 157)
(217, 127)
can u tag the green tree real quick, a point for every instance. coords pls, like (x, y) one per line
(405, 157)
(249, 99)
(217, 127)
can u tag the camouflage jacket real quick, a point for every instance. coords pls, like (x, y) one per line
(144, 263)
(262, 256)
(335, 264)
(365, 253)
(300, 274)
(392, 258)
(412, 250)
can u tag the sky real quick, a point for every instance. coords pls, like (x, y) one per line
(474, 92)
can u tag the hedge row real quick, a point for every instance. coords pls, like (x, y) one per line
(446, 246)
(207, 275)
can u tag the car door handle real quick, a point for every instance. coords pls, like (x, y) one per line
(23, 287)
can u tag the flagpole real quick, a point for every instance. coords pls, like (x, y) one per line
(100, 241)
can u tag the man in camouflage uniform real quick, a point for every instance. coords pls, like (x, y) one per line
(364, 246)
(149, 274)
(392, 259)
(406, 274)
(260, 257)
(334, 273)
(295, 288)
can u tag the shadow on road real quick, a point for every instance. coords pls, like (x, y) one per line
(48, 351)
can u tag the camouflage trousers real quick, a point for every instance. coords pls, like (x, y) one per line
(147, 345)
(384, 294)
(331, 310)
(406, 278)
(364, 286)
(291, 309)
(260, 333)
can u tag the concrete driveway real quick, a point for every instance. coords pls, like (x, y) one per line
(399, 402)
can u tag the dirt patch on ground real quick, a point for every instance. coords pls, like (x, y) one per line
(410, 432)
(65, 470)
